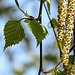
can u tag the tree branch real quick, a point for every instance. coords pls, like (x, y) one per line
(53, 29)
(74, 43)
(72, 48)
(40, 20)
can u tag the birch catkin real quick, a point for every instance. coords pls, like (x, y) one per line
(62, 10)
(70, 70)
(66, 12)
(69, 31)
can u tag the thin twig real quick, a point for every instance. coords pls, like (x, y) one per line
(16, 1)
(40, 20)
(60, 61)
(40, 68)
(40, 11)
(53, 29)
(22, 19)
(73, 47)
(49, 71)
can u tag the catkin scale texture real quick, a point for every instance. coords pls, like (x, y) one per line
(66, 10)
(62, 10)
(70, 70)
(69, 23)
(69, 30)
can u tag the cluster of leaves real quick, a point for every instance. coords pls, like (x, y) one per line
(14, 32)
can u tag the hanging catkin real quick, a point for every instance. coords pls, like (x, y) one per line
(69, 31)
(70, 70)
(66, 12)
(62, 10)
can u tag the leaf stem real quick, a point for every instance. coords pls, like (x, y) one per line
(22, 19)
(41, 69)
(59, 62)
(19, 6)
(49, 71)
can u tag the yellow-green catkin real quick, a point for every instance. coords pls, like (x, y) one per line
(66, 10)
(62, 10)
(70, 70)
(69, 31)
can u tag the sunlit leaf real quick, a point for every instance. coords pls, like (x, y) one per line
(49, 1)
(27, 21)
(13, 32)
(55, 23)
(39, 31)
(58, 72)
(60, 43)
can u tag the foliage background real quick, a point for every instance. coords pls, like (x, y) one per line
(23, 59)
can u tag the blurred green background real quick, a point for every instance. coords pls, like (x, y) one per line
(23, 59)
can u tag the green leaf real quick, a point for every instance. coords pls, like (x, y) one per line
(70, 60)
(72, 42)
(39, 31)
(49, 1)
(55, 23)
(48, 6)
(13, 32)
(60, 43)
(5, 10)
(27, 21)
(51, 57)
(58, 72)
